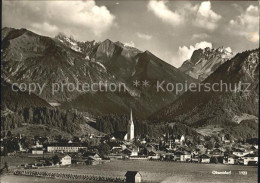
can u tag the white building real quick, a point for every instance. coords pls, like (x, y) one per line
(182, 139)
(66, 160)
(240, 153)
(37, 151)
(134, 152)
(37, 145)
(249, 157)
(130, 129)
(69, 148)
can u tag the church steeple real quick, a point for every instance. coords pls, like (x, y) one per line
(131, 117)
(130, 127)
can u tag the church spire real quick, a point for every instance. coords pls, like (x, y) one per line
(131, 116)
(130, 127)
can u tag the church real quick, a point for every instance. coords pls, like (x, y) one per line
(130, 129)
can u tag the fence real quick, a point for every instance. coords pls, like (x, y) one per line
(67, 176)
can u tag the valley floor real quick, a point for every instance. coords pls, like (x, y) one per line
(151, 171)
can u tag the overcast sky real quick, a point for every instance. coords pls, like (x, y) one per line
(171, 30)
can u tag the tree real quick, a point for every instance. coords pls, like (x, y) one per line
(103, 149)
(9, 134)
(209, 145)
(6, 166)
(228, 150)
(217, 145)
(56, 159)
(214, 160)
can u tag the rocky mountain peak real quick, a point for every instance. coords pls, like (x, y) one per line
(248, 67)
(202, 108)
(79, 46)
(205, 61)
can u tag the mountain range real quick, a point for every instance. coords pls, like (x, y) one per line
(31, 58)
(226, 107)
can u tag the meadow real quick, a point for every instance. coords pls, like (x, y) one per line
(157, 171)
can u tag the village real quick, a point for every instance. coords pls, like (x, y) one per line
(99, 149)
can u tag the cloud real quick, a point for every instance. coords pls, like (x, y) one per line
(44, 28)
(201, 15)
(246, 24)
(160, 9)
(82, 14)
(237, 7)
(185, 52)
(206, 17)
(200, 36)
(67, 16)
(143, 36)
(131, 44)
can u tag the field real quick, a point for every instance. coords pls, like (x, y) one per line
(164, 172)
(208, 130)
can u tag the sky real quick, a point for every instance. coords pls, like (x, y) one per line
(171, 30)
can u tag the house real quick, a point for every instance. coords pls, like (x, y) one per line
(217, 153)
(223, 138)
(133, 176)
(66, 160)
(230, 159)
(182, 156)
(112, 138)
(153, 155)
(186, 156)
(127, 152)
(21, 149)
(240, 152)
(182, 139)
(204, 158)
(37, 145)
(195, 158)
(37, 151)
(148, 149)
(179, 139)
(94, 159)
(201, 149)
(227, 141)
(114, 145)
(134, 153)
(177, 156)
(250, 159)
(169, 156)
(143, 141)
(93, 155)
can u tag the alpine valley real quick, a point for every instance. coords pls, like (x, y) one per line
(31, 58)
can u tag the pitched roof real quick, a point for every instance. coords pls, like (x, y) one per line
(131, 173)
(250, 155)
(178, 153)
(238, 150)
(119, 134)
(113, 144)
(66, 145)
(204, 156)
(63, 155)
